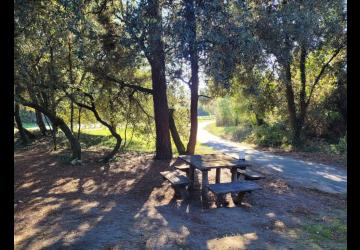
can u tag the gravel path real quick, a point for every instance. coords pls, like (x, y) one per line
(323, 177)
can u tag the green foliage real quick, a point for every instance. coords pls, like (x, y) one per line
(242, 46)
(270, 135)
(224, 115)
(27, 116)
(235, 133)
(321, 232)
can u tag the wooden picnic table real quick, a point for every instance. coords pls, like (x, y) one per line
(206, 162)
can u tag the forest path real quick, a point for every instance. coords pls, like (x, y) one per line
(326, 178)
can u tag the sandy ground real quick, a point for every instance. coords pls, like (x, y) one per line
(127, 205)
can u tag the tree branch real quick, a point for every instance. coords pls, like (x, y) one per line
(323, 68)
(205, 96)
(124, 84)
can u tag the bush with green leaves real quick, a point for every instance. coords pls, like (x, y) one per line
(270, 135)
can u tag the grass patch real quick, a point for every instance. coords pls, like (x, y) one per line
(102, 137)
(277, 136)
(30, 125)
(206, 117)
(203, 149)
(325, 233)
(235, 133)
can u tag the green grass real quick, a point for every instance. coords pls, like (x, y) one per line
(101, 137)
(203, 149)
(235, 133)
(323, 233)
(206, 117)
(140, 143)
(276, 136)
(30, 125)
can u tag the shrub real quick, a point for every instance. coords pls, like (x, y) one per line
(270, 136)
(341, 146)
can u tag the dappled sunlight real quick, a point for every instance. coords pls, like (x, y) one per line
(155, 226)
(27, 185)
(68, 185)
(271, 215)
(232, 242)
(127, 204)
(333, 177)
(89, 186)
(166, 238)
(83, 206)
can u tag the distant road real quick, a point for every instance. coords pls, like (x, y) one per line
(327, 178)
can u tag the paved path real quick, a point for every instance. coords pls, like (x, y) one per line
(323, 177)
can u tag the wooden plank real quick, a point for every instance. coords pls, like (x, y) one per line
(204, 189)
(250, 174)
(234, 174)
(175, 177)
(183, 167)
(243, 186)
(209, 161)
(218, 173)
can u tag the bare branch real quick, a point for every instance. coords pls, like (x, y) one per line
(183, 80)
(205, 96)
(323, 68)
(128, 85)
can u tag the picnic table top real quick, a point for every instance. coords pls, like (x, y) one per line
(209, 161)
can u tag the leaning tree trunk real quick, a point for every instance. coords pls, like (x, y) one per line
(79, 124)
(156, 58)
(74, 143)
(174, 133)
(40, 122)
(23, 136)
(58, 122)
(113, 132)
(111, 128)
(194, 61)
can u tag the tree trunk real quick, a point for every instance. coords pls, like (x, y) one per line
(294, 125)
(72, 117)
(40, 122)
(58, 122)
(112, 129)
(174, 133)
(303, 106)
(23, 136)
(79, 124)
(156, 58)
(194, 61)
(75, 145)
(71, 77)
(113, 132)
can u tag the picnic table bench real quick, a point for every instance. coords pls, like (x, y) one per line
(183, 167)
(220, 189)
(178, 181)
(249, 174)
(205, 163)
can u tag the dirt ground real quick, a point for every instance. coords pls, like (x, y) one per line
(127, 205)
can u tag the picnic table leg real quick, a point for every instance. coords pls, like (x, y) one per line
(234, 174)
(217, 179)
(204, 189)
(191, 177)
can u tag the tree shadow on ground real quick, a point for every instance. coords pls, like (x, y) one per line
(127, 205)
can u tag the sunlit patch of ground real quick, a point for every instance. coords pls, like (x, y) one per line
(127, 205)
